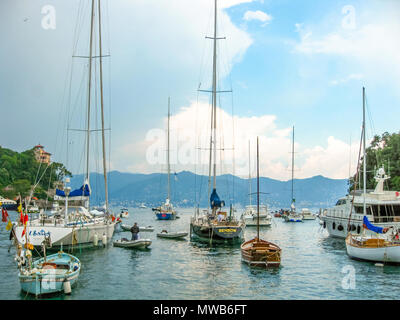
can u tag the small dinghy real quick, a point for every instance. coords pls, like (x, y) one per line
(125, 227)
(54, 273)
(172, 235)
(125, 243)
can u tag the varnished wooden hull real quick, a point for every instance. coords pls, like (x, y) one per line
(257, 252)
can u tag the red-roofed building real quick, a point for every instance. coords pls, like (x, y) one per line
(41, 155)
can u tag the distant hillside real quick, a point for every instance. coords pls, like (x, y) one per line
(129, 189)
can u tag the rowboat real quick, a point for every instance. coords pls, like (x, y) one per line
(55, 273)
(125, 227)
(258, 252)
(125, 243)
(172, 235)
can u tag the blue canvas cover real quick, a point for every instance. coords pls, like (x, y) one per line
(369, 226)
(83, 191)
(215, 202)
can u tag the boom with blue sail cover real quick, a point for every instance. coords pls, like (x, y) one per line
(215, 202)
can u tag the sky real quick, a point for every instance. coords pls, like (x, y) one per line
(288, 63)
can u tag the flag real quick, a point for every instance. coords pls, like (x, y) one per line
(9, 225)
(4, 215)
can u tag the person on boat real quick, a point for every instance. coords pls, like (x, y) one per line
(135, 231)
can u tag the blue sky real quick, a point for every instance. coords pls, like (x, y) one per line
(300, 63)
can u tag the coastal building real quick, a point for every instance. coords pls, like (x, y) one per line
(41, 155)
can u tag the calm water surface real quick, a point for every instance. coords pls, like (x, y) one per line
(313, 267)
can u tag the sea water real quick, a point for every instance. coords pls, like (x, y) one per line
(313, 266)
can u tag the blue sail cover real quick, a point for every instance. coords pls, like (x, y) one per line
(369, 226)
(83, 191)
(215, 202)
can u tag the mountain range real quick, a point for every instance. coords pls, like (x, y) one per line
(190, 190)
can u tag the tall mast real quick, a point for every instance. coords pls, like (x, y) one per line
(292, 167)
(102, 113)
(365, 157)
(258, 194)
(169, 170)
(89, 94)
(249, 176)
(214, 97)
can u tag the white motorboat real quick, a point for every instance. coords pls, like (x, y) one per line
(124, 213)
(125, 243)
(172, 235)
(126, 227)
(307, 214)
(382, 207)
(249, 217)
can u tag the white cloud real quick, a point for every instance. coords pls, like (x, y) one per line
(190, 129)
(372, 47)
(353, 76)
(257, 15)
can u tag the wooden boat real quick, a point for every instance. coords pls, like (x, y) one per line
(258, 252)
(172, 235)
(125, 243)
(125, 227)
(372, 248)
(55, 273)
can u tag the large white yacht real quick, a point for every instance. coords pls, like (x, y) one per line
(383, 209)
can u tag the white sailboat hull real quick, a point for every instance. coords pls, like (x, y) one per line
(65, 236)
(383, 254)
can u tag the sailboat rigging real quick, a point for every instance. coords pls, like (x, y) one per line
(79, 227)
(167, 211)
(215, 226)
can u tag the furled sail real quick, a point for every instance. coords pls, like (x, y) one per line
(79, 194)
(369, 226)
(215, 201)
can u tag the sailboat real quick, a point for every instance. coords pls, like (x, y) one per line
(77, 226)
(253, 216)
(167, 211)
(380, 244)
(292, 215)
(258, 252)
(215, 225)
